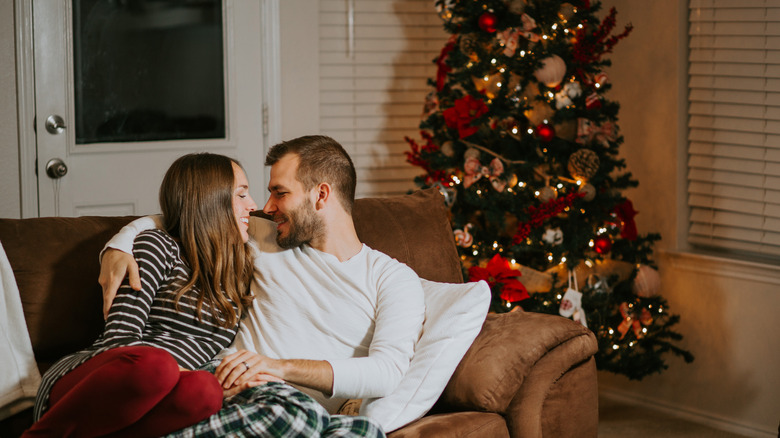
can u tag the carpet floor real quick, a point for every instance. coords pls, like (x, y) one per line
(621, 420)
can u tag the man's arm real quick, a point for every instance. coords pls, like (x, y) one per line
(117, 262)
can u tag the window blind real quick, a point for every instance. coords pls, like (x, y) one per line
(734, 126)
(375, 59)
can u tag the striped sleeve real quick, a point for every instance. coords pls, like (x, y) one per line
(154, 252)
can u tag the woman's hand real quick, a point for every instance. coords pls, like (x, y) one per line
(244, 367)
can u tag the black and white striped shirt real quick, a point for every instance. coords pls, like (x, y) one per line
(149, 317)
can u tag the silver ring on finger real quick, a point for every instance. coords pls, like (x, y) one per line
(246, 365)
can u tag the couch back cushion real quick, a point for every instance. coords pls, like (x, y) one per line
(55, 262)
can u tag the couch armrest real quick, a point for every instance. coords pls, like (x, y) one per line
(505, 353)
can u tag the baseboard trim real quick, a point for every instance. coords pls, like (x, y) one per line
(687, 413)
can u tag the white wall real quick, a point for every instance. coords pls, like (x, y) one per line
(10, 203)
(728, 309)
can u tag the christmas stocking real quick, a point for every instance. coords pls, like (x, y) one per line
(571, 303)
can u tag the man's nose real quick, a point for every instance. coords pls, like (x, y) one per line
(269, 207)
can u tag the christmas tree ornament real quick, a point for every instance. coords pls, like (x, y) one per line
(566, 11)
(448, 192)
(545, 132)
(647, 282)
(564, 98)
(447, 148)
(583, 164)
(547, 194)
(529, 24)
(469, 45)
(589, 192)
(598, 284)
(463, 238)
(551, 71)
(593, 101)
(566, 129)
(553, 236)
(516, 6)
(431, 105)
(602, 244)
(444, 9)
(571, 303)
(487, 22)
(509, 40)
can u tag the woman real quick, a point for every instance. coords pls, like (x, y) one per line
(135, 380)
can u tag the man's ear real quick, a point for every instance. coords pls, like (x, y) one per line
(323, 193)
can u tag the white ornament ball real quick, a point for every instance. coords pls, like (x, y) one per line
(551, 72)
(647, 282)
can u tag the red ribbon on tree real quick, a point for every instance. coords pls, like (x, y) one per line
(544, 211)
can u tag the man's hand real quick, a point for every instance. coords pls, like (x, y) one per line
(259, 379)
(114, 266)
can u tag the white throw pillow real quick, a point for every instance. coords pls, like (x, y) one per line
(454, 314)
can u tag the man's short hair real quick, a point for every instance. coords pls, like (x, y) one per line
(321, 159)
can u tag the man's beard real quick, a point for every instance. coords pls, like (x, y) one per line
(303, 225)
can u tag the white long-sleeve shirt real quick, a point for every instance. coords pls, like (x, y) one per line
(362, 315)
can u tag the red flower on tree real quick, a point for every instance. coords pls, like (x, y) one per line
(499, 273)
(460, 116)
(625, 212)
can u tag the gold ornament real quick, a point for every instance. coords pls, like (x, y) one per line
(583, 164)
(516, 6)
(566, 129)
(447, 149)
(589, 191)
(567, 11)
(547, 193)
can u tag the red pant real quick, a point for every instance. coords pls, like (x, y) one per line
(128, 392)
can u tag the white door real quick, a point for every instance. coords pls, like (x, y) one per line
(122, 88)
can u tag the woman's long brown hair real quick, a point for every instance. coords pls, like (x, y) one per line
(196, 198)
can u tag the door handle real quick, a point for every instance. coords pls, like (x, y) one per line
(55, 124)
(56, 168)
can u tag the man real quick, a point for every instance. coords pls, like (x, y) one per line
(331, 316)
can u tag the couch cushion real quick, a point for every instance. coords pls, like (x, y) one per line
(55, 262)
(414, 229)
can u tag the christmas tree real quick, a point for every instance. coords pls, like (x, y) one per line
(520, 137)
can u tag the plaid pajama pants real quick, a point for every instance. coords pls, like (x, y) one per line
(277, 410)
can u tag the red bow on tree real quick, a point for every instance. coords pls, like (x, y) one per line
(499, 273)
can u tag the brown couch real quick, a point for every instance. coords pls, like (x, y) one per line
(526, 374)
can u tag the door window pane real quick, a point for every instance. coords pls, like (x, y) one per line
(148, 70)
